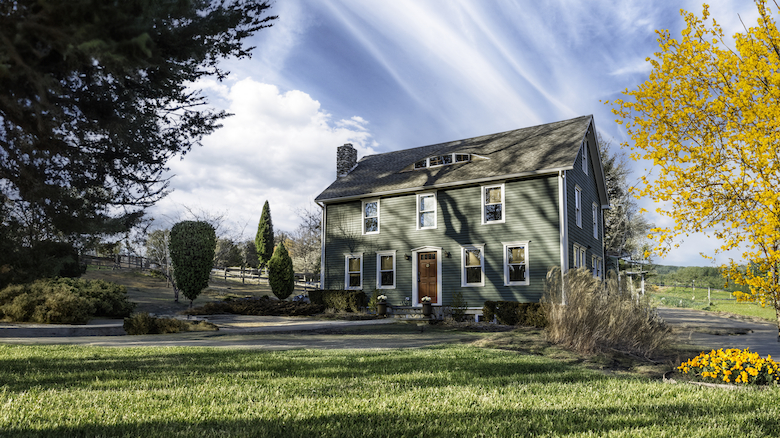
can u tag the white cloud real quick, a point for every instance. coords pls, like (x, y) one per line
(279, 147)
(637, 66)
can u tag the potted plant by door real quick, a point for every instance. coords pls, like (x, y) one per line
(427, 308)
(381, 305)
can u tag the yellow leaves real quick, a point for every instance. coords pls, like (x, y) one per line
(708, 119)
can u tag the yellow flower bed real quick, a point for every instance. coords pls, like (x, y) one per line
(732, 366)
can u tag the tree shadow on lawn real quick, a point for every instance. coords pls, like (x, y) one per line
(96, 368)
(645, 418)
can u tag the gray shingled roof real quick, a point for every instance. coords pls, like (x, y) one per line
(537, 149)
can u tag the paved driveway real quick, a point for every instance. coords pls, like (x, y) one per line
(708, 330)
(705, 330)
(257, 332)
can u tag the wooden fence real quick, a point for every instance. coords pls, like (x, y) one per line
(117, 262)
(255, 276)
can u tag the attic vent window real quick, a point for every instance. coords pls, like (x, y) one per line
(442, 160)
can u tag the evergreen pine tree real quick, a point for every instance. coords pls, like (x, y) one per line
(97, 97)
(264, 239)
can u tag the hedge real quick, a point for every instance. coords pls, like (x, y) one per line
(514, 313)
(145, 324)
(341, 300)
(64, 301)
(258, 306)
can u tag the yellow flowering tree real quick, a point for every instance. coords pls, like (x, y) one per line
(708, 118)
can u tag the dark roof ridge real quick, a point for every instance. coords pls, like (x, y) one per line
(464, 140)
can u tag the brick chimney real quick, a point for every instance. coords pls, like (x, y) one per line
(346, 159)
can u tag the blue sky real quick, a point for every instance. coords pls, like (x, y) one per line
(389, 75)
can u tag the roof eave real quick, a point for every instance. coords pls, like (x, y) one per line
(444, 185)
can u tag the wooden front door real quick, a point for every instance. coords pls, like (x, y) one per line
(427, 280)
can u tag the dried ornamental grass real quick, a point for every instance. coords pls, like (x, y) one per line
(600, 315)
(732, 366)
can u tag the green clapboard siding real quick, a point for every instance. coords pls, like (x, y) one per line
(531, 212)
(584, 235)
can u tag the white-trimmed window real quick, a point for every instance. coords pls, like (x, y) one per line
(353, 271)
(595, 221)
(597, 264)
(579, 255)
(426, 211)
(385, 270)
(371, 216)
(578, 205)
(442, 160)
(585, 156)
(516, 264)
(473, 265)
(493, 204)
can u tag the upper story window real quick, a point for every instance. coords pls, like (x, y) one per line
(595, 220)
(493, 204)
(442, 160)
(578, 205)
(426, 211)
(371, 216)
(585, 156)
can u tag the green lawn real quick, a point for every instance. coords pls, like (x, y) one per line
(721, 301)
(450, 391)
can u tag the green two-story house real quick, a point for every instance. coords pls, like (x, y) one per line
(487, 216)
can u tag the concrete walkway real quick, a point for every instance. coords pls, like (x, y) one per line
(239, 331)
(709, 330)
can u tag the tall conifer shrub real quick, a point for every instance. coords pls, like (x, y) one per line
(192, 246)
(264, 239)
(281, 276)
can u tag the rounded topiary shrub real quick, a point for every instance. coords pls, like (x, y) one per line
(281, 276)
(192, 246)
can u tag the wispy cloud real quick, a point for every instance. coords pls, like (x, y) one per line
(278, 146)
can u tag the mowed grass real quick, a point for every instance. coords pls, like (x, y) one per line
(449, 391)
(722, 301)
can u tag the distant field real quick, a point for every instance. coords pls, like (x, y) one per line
(63, 391)
(721, 301)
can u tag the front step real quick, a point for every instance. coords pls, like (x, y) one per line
(414, 313)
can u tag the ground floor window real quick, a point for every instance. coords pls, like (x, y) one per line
(473, 265)
(353, 271)
(385, 270)
(579, 256)
(516, 264)
(597, 263)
